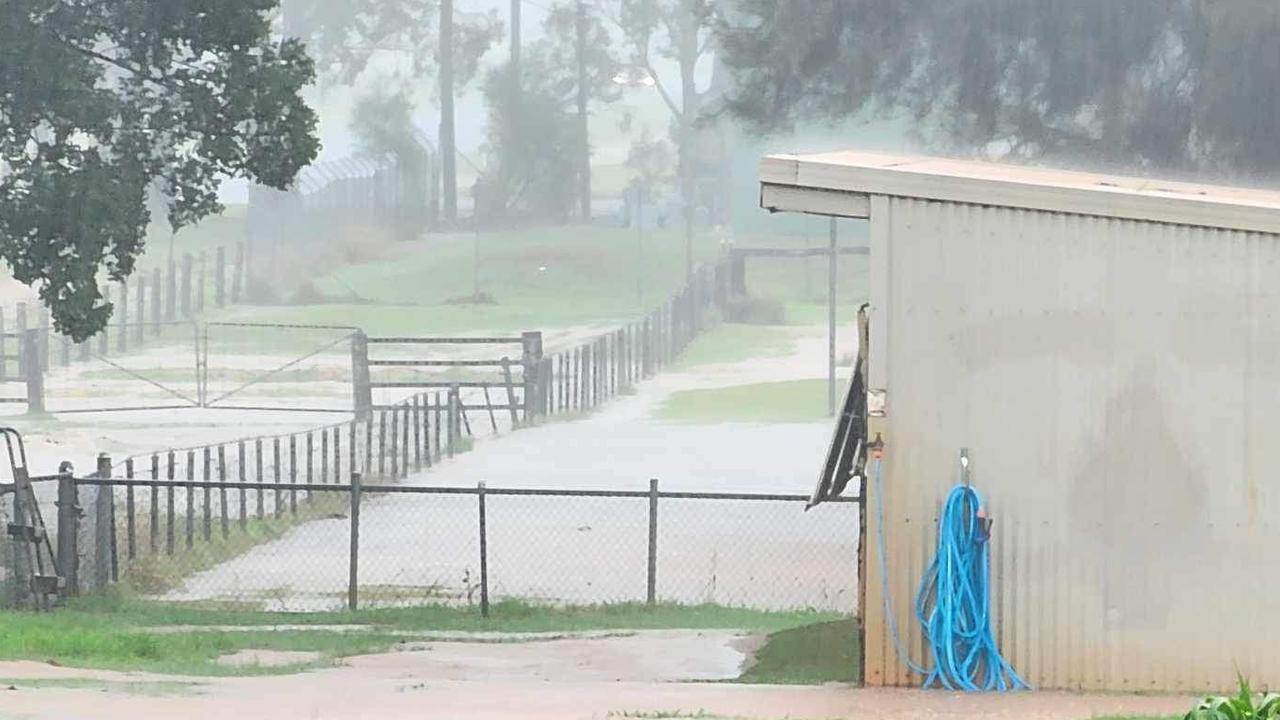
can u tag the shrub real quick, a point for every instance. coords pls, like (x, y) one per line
(1241, 706)
(754, 310)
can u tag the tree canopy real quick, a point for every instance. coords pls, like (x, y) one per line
(1182, 86)
(344, 35)
(101, 102)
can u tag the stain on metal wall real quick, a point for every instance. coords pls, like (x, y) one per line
(1117, 383)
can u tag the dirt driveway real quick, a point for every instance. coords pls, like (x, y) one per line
(645, 675)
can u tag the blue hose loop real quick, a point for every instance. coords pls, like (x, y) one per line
(953, 605)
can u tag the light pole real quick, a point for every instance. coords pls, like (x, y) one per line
(635, 77)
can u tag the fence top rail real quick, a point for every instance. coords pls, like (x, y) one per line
(514, 364)
(797, 252)
(496, 382)
(442, 490)
(446, 341)
(283, 326)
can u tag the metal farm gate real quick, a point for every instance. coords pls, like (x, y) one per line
(501, 384)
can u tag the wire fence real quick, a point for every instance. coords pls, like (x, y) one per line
(582, 378)
(327, 547)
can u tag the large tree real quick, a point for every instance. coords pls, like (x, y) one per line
(440, 42)
(101, 101)
(679, 30)
(1182, 86)
(538, 152)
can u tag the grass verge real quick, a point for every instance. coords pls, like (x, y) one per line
(731, 343)
(795, 401)
(809, 655)
(116, 632)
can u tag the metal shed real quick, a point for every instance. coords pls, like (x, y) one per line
(1108, 349)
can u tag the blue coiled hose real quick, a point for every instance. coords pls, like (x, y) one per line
(953, 606)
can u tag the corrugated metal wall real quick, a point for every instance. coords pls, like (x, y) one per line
(1118, 386)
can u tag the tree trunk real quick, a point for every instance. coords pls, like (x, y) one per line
(584, 144)
(690, 108)
(448, 143)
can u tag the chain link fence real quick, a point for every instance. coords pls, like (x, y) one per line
(317, 547)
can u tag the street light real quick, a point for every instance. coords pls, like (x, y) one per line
(634, 76)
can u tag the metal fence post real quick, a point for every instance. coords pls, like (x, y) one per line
(237, 274)
(140, 312)
(354, 568)
(652, 596)
(68, 528)
(171, 291)
(484, 554)
(185, 297)
(219, 277)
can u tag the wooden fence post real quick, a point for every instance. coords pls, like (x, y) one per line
(45, 335)
(361, 386)
(219, 277)
(207, 475)
(278, 510)
(244, 500)
(171, 514)
(104, 339)
(104, 529)
(452, 419)
(395, 442)
(140, 319)
(122, 314)
(34, 375)
(191, 499)
(130, 519)
(153, 531)
(157, 300)
(186, 285)
(171, 292)
(222, 492)
(531, 359)
(20, 326)
(237, 274)
(201, 286)
(257, 476)
(337, 455)
(324, 460)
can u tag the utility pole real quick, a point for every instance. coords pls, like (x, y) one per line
(584, 148)
(448, 141)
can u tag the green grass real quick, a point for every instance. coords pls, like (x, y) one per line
(538, 278)
(729, 343)
(795, 401)
(505, 616)
(115, 632)
(808, 655)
